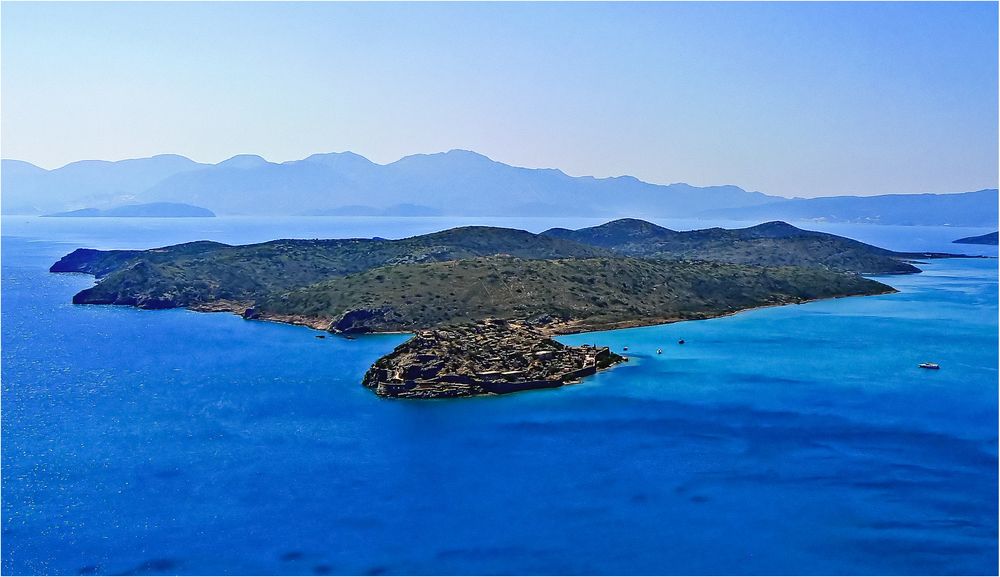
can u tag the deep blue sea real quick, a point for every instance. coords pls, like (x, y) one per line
(791, 440)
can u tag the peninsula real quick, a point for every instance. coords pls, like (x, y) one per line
(990, 238)
(484, 301)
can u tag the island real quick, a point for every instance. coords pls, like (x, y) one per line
(484, 302)
(990, 238)
(147, 210)
(493, 356)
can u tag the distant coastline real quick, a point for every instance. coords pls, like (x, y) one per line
(990, 238)
(147, 210)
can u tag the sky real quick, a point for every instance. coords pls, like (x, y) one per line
(794, 99)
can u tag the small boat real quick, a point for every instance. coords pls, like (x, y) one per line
(680, 342)
(624, 348)
(934, 366)
(659, 351)
(320, 336)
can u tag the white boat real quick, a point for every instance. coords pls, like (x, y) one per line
(934, 366)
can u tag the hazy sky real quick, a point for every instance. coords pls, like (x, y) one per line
(787, 98)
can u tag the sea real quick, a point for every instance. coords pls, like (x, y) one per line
(796, 440)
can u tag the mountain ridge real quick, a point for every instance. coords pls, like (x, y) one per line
(774, 243)
(457, 182)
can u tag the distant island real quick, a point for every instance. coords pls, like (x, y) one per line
(988, 238)
(502, 291)
(147, 210)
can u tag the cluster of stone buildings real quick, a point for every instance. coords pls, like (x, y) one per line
(488, 357)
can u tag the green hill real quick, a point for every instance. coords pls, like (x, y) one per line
(200, 272)
(566, 295)
(768, 244)
(472, 273)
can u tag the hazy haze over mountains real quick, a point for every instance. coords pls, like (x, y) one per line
(458, 182)
(29, 189)
(977, 208)
(146, 210)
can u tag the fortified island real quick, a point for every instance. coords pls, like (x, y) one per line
(493, 356)
(482, 302)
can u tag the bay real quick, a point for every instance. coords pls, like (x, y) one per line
(789, 440)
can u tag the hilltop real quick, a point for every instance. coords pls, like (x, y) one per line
(767, 244)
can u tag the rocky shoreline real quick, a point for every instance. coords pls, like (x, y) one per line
(491, 357)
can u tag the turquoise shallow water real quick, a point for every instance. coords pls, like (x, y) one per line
(791, 440)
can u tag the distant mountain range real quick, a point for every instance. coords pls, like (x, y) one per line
(28, 189)
(148, 210)
(458, 182)
(977, 208)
